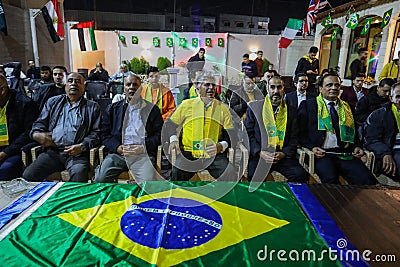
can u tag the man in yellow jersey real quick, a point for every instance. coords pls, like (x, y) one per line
(157, 94)
(207, 131)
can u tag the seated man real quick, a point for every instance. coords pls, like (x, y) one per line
(45, 74)
(356, 92)
(295, 98)
(327, 128)
(262, 85)
(133, 144)
(46, 91)
(98, 73)
(382, 135)
(17, 113)
(68, 127)
(206, 127)
(247, 93)
(156, 93)
(376, 98)
(272, 129)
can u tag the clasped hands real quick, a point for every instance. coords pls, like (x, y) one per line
(212, 149)
(272, 157)
(46, 140)
(130, 150)
(320, 153)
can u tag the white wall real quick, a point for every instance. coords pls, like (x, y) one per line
(290, 56)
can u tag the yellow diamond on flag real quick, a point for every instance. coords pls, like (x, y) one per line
(171, 227)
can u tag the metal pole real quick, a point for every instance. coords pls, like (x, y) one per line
(32, 15)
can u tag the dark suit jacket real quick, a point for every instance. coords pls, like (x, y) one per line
(291, 98)
(349, 95)
(258, 138)
(239, 100)
(310, 136)
(112, 125)
(21, 113)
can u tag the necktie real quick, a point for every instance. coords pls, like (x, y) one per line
(335, 121)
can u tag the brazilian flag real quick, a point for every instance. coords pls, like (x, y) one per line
(165, 224)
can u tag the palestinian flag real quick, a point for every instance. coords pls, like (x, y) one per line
(87, 39)
(54, 20)
(290, 32)
(164, 224)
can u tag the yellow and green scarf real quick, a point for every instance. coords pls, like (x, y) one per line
(3, 127)
(192, 92)
(148, 95)
(396, 115)
(346, 121)
(275, 129)
(308, 58)
(205, 127)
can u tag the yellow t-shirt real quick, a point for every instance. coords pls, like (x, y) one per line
(201, 125)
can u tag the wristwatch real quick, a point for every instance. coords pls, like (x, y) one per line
(83, 147)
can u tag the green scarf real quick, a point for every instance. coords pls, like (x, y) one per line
(192, 92)
(275, 129)
(346, 121)
(3, 127)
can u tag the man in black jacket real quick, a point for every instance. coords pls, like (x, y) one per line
(47, 91)
(195, 64)
(262, 154)
(359, 65)
(327, 128)
(382, 135)
(17, 113)
(98, 73)
(68, 127)
(295, 98)
(309, 64)
(134, 146)
(376, 98)
(245, 94)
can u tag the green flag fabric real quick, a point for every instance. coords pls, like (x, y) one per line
(367, 26)
(327, 21)
(334, 34)
(353, 22)
(386, 18)
(172, 225)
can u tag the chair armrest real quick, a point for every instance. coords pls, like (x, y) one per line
(231, 155)
(101, 153)
(302, 155)
(159, 150)
(311, 158)
(92, 155)
(173, 156)
(245, 159)
(35, 151)
(370, 160)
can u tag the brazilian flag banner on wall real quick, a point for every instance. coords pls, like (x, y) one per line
(122, 225)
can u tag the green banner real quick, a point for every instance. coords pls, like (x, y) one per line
(135, 40)
(208, 42)
(353, 22)
(156, 42)
(221, 42)
(170, 42)
(367, 26)
(386, 18)
(327, 21)
(182, 42)
(195, 42)
(122, 225)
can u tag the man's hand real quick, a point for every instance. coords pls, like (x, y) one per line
(318, 152)
(73, 150)
(3, 156)
(45, 139)
(213, 149)
(174, 145)
(267, 156)
(120, 150)
(132, 150)
(358, 152)
(389, 165)
(278, 156)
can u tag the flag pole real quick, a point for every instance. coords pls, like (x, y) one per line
(32, 16)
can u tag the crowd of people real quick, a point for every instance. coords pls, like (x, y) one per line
(335, 122)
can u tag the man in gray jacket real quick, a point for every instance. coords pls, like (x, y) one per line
(68, 127)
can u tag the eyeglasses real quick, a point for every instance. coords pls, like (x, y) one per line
(208, 84)
(303, 81)
(58, 74)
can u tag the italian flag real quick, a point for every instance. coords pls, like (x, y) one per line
(87, 40)
(290, 32)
